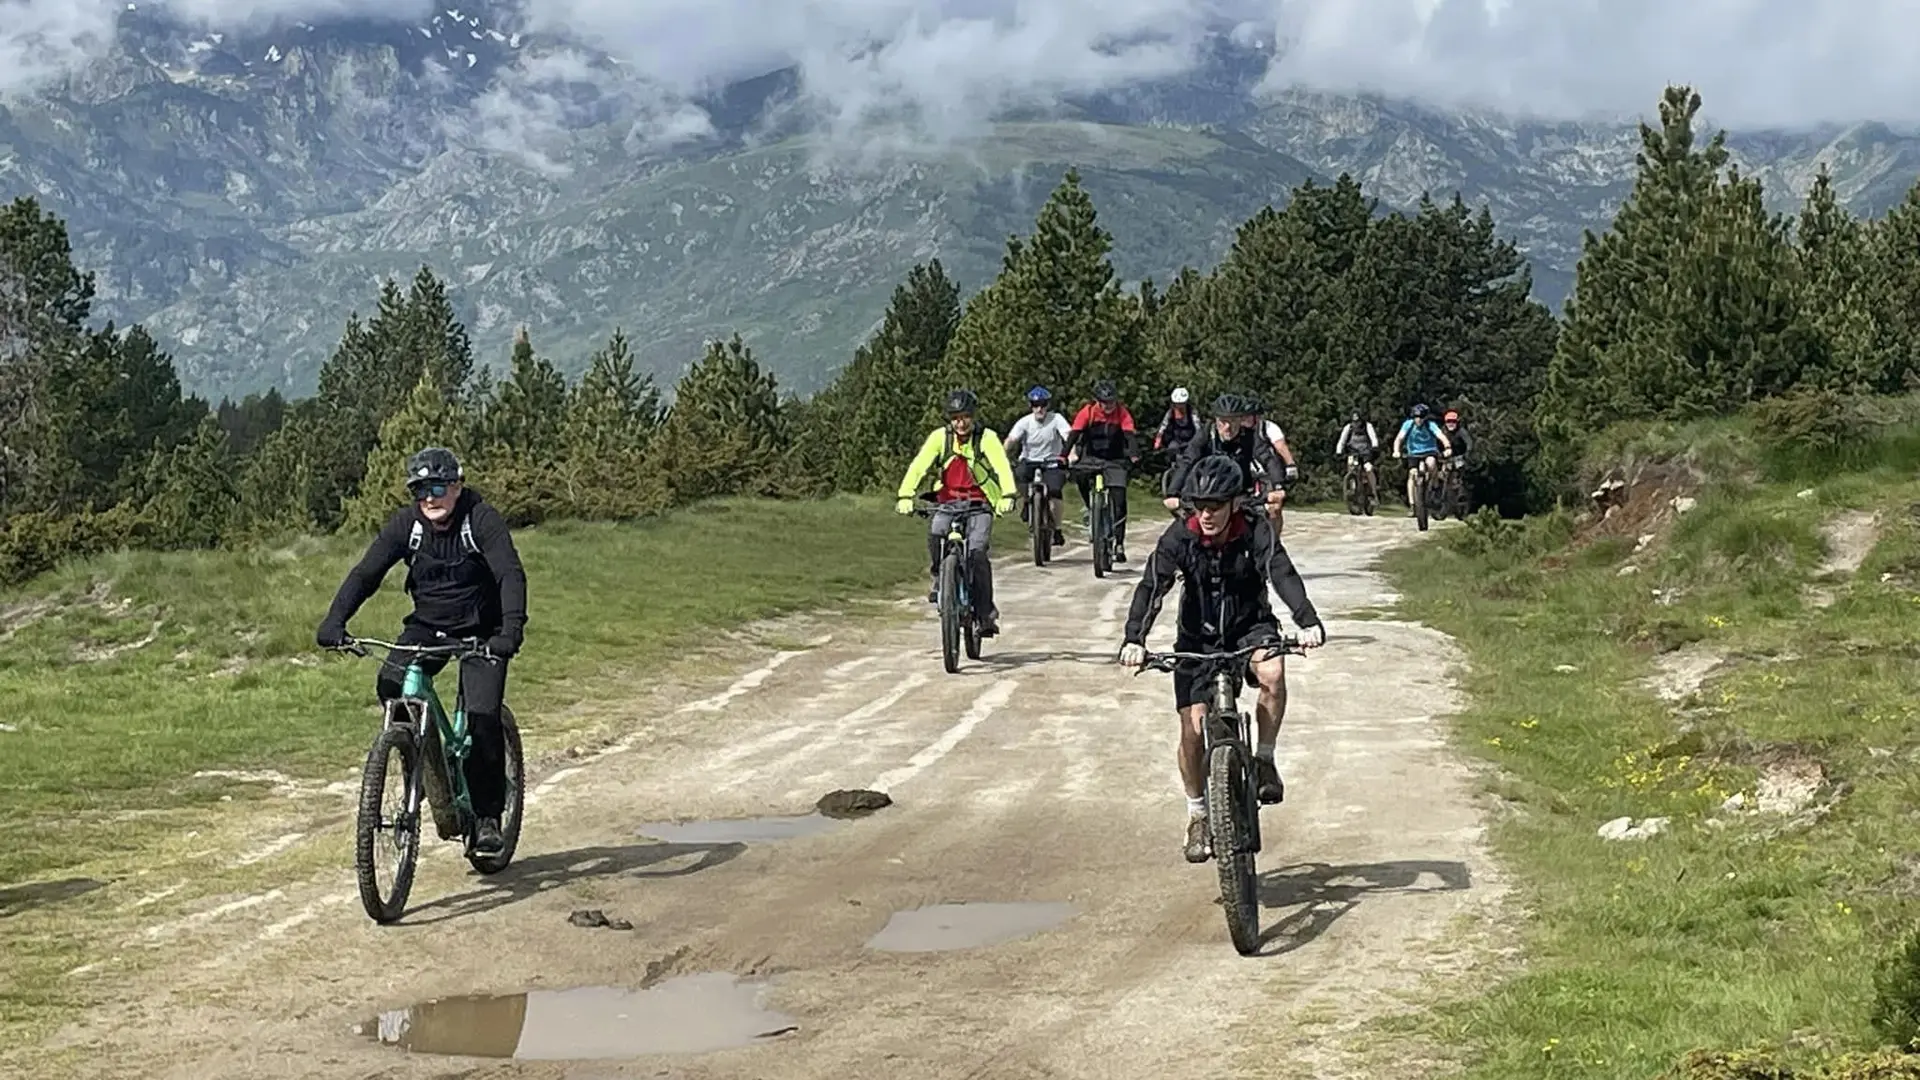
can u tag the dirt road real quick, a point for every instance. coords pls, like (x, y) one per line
(1041, 776)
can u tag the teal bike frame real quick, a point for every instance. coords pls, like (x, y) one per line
(445, 778)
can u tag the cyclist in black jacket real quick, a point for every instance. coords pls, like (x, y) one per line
(1227, 565)
(466, 581)
(1229, 435)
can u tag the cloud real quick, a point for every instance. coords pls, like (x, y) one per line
(1756, 63)
(41, 40)
(532, 110)
(940, 66)
(943, 66)
(257, 14)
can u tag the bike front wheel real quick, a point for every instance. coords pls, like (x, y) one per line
(1039, 508)
(1101, 530)
(1228, 775)
(510, 816)
(950, 612)
(388, 832)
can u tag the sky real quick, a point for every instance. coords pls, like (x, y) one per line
(1757, 63)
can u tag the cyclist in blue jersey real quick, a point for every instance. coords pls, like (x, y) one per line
(1423, 442)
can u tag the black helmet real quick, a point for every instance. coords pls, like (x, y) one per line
(1256, 405)
(1357, 413)
(961, 401)
(434, 465)
(1420, 410)
(1104, 392)
(1231, 405)
(1214, 478)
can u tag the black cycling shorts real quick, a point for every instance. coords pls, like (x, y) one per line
(1192, 685)
(1054, 476)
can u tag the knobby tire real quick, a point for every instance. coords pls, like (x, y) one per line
(1227, 773)
(1420, 498)
(516, 799)
(1037, 511)
(1102, 556)
(391, 744)
(950, 612)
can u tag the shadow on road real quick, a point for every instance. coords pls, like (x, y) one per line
(1005, 661)
(15, 899)
(531, 876)
(1320, 893)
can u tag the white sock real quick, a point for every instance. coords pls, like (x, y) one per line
(1264, 751)
(1197, 807)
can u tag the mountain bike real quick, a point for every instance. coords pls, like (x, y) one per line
(1040, 514)
(1233, 799)
(1453, 491)
(1362, 492)
(1425, 493)
(1100, 523)
(431, 749)
(958, 623)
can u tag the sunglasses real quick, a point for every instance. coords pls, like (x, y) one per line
(429, 491)
(1212, 506)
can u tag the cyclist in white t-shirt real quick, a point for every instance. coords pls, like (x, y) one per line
(1039, 442)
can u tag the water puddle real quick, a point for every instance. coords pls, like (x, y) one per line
(761, 830)
(15, 899)
(965, 926)
(691, 1014)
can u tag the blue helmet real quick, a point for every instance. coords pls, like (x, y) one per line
(1039, 394)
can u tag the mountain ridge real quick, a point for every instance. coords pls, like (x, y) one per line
(239, 192)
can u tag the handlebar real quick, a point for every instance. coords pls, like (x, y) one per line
(1167, 661)
(464, 647)
(962, 507)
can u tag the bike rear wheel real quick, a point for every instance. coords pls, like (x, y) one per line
(950, 612)
(1228, 776)
(516, 799)
(378, 831)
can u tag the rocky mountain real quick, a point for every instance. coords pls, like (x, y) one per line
(240, 191)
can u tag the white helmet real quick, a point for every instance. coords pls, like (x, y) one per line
(1179, 395)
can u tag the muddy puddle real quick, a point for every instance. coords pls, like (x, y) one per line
(691, 1014)
(760, 830)
(966, 926)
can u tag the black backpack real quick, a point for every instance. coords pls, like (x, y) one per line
(419, 533)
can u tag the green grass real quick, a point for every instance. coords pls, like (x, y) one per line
(1752, 932)
(100, 761)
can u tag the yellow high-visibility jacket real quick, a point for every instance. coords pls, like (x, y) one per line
(986, 459)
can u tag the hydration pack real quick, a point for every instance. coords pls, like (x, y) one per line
(419, 533)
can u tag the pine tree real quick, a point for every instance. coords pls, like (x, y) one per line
(1688, 306)
(873, 415)
(44, 304)
(725, 433)
(531, 407)
(613, 416)
(430, 418)
(196, 495)
(1055, 316)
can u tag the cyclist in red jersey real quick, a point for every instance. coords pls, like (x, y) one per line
(1104, 434)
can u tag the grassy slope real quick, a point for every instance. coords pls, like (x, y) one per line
(1749, 932)
(101, 753)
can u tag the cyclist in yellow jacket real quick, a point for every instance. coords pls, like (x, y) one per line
(969, 466)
